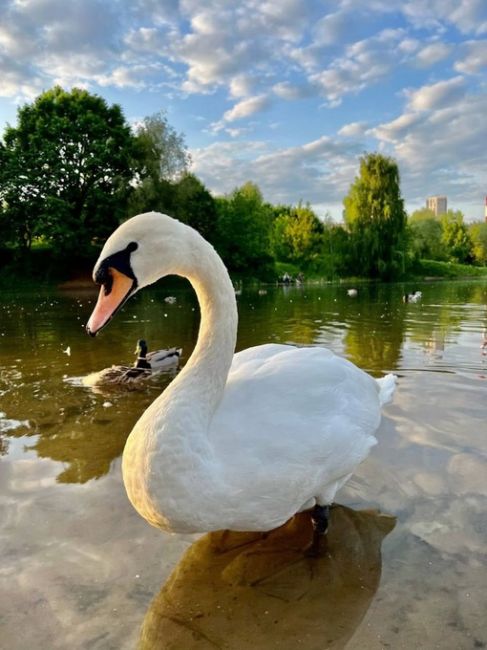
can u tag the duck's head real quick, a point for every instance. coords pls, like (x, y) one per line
(141, 348)
(139, 252)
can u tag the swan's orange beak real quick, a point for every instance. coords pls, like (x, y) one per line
(110, 299)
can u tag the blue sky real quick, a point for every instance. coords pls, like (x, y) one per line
(286, 93)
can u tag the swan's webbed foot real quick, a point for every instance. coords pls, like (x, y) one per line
(319, 520)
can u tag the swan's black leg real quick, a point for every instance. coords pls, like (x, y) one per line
(319, 519)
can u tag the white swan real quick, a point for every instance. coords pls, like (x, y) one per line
(240, 442)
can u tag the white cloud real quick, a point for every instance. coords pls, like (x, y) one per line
(269, 53)
(319, 171)
(440, 148)
(353, 130)
(241, 85)
(474, 57)
(432, 54)
(288, 91)
(437, 95)
(246, 108)
(364, 63)
(469, 16)
(334, 28)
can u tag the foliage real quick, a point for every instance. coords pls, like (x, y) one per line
(422, 215)
(296, 235)
(163, 160)
(425, 237)
(336, 258)
(243, 229)
(437, 269)
(65, 169)
(72, 169)
(375, 217)
(456, 238)
(161, 149)
(478, 235)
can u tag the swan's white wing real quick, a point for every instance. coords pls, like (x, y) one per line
(292, 422)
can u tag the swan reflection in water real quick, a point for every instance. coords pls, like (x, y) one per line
(242, 590)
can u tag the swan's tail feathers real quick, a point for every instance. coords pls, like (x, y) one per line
(387, 386)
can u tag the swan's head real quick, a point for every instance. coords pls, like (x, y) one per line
(139, 252)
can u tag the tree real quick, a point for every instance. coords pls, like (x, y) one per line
(478, 235)
(426, 235)
(194, 205)
(66, 169)
(296, 235)
(456, 238)
(243, 229)
(375, 217)
(163, 160)
(162, 150)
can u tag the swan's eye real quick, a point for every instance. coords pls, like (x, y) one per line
(105, 279)
(107, 285)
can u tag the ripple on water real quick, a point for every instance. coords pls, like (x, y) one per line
(7, 424)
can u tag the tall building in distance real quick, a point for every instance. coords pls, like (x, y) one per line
(436, 204)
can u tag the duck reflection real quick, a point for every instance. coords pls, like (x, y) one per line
(243, 590)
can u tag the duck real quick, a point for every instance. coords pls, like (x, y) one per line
(412, 297)
(146, 366)
(171, 300)
(240, 441)
(352, 293)
(157, 360)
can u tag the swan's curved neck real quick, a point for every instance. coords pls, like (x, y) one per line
(170, 439)
(204, 377)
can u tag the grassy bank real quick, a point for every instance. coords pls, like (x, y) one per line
(41, 267)
(434, 269)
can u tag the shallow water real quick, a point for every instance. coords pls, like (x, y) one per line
(80, 569)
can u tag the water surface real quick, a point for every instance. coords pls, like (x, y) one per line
(80, 569)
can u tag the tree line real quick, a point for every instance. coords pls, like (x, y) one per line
(72, 169)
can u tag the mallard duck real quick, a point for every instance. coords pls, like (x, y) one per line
(236, 441)
(158, 359)
(146, 366)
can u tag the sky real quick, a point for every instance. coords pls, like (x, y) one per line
(285, 93)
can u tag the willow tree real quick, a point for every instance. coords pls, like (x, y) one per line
(375, 217)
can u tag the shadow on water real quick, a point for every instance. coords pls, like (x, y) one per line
(241, 590)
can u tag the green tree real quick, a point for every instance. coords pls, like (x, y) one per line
(456, 238)
(296, 235)
(244, 229)
(66, 168)
(478, 235)
(194, 205)
(163, 159)
(425, 240)
(336, 259)
(375, 217)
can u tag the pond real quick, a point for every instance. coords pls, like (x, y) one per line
(405, 561)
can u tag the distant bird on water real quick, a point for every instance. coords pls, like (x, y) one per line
(412, 297)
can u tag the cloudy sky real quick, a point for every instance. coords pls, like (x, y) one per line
(286, 93)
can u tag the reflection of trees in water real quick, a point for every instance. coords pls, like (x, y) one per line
(244, 591)
(376, 329)
(85, 436)
(441, 317)
(71, 424)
